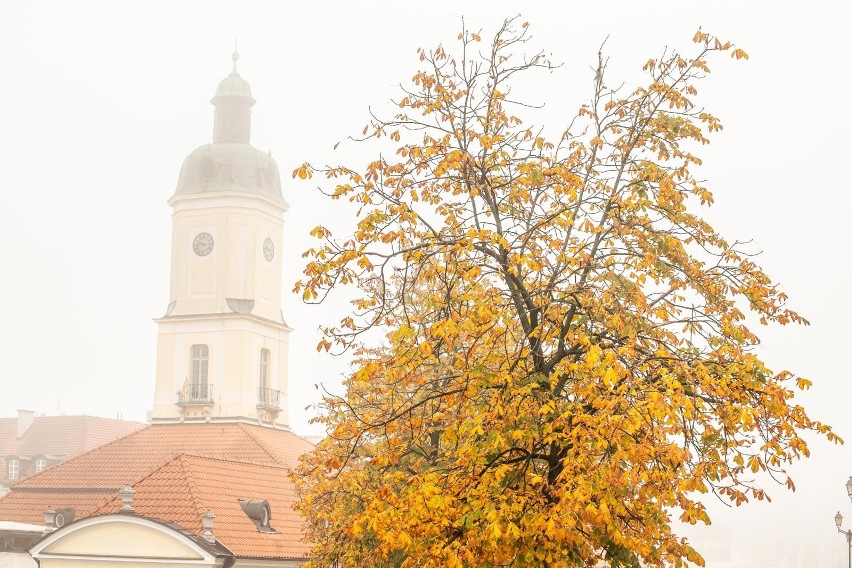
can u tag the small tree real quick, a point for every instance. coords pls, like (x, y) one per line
(565, 359)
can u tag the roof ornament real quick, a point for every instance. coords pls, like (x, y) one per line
(207, 525)
(126, 493)
(50, 518)
(235, 57)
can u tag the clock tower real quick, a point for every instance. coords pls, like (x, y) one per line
(222, 348)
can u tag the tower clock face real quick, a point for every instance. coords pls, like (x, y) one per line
(203, 244)
(268, 249)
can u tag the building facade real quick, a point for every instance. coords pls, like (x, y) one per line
(219, 446)
(222, 348)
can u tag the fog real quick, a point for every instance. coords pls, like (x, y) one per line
(101, 101)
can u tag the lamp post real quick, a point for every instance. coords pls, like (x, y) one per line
(838, 520)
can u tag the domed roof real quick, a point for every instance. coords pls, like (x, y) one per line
(233, 86)
(229, 166)
(230, 162)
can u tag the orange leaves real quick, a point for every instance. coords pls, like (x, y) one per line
(552, 351)
(700, 37)
(739, 54)
(320, 232)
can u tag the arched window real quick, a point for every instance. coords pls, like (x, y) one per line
(40, 465)
(14, 469)
(263, 381)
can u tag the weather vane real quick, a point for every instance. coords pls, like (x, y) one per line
(235, 57)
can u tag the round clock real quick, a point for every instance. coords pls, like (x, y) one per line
(268, 249)
(203, 244)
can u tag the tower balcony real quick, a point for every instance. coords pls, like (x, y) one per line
(268, 399)
(196, 394)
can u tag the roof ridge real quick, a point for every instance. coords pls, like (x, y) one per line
(133, 482)
(260, 443)
(193, 489)
(276, 465)
(169, 459)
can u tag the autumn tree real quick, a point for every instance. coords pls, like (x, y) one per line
(555, 353)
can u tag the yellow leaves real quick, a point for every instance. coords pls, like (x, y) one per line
(803, 384)
(320, 232)
(755, 464)
(436, 502)
(550, 342)
(512, 530)
(303, 172)
(593, 355)
(739, 54)
(700, 37)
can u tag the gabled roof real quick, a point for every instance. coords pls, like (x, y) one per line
(183, 489)
(179, 471)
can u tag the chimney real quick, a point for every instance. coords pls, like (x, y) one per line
(25, 420)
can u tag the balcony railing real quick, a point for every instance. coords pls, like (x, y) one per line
(268, 398)
(196, 393)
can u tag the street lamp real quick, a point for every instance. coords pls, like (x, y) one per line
(849, 487)
(838, 520)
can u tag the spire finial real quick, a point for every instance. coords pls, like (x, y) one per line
(235, 57)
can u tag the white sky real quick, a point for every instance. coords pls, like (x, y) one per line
(101, 101)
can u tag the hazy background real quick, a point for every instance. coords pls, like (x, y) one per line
(101, 101)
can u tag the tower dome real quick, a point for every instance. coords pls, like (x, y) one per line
(230, 162)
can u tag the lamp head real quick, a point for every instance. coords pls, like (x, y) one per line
(849, 487)
(838, 519)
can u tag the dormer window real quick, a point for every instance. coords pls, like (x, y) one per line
(258, 511)
(40, 465)
(13, 468)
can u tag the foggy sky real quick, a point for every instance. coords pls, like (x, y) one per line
(101, 101)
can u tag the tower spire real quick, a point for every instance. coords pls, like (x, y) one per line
(235, 56)
(233, 102)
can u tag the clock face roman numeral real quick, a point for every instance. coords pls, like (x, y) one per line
(203, 244)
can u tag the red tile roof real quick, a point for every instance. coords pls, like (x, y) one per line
(179, 471)
(132, 457)
(59, 436)
(183, 489)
